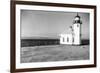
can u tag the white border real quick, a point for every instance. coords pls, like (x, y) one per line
(53, 64)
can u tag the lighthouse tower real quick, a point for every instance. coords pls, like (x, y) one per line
(77, 30)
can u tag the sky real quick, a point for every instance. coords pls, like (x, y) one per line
(35, 23)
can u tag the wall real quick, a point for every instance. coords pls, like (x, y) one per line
(5, 37)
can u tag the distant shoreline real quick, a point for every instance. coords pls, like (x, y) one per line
(25, 42)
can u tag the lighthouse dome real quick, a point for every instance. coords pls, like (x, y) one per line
(77, 19)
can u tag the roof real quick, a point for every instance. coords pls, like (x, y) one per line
(77, 16)
(67, 31)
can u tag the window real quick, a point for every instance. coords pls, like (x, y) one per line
(73, 39)
(63, 39)
(67, 39)
(77, 25)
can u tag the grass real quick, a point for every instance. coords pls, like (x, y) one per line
(54, 53)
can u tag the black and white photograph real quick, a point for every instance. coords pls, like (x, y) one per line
(54, 36)
(51, 36)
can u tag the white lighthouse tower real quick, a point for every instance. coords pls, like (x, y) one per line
(77, 30)
(74, 38)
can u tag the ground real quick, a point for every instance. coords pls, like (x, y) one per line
(54, 53)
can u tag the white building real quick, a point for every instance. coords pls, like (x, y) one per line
(73, 38)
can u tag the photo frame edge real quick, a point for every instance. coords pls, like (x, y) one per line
(13, 35)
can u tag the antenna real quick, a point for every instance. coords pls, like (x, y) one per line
(77, 13)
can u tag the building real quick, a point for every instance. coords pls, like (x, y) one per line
(74, 37)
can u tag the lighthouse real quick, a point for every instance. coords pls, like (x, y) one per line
(77, 30)
(74, 37)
